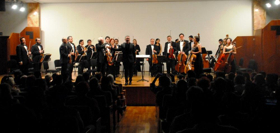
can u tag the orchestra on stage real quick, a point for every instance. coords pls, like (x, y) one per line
(107, 54)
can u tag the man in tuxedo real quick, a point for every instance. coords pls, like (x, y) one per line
(65, 55)
(150, 50)
(90, 53)
(101, 58)
(191, 41)
(36, 51)
(129, 59)
(22, 55)
(171, 61)
(182, 45)
(73, 53)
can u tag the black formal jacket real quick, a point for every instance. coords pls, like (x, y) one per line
(90, 52)
(72, 50)
(22, 54)
(36, 56)
(64, 50)
(137, 47)
(166, 47)
(186, 47)
(100, 52)
(128, 52)
(150, 52)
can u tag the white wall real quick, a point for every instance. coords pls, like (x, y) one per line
(145, 20)
(12, 20)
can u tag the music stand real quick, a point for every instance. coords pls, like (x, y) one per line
(161, 59)
(47, 57)
(119, 58)
(143, 57)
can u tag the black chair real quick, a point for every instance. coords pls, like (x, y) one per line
(57, 65)
(31, 68)
(93, 63)
(251, 67)
(46, 68)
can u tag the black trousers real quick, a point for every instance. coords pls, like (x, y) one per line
(64, 71)
(111, 70)
(101, 68)
(24, 68)
(128, 69)
(81, 66)
(170, 64)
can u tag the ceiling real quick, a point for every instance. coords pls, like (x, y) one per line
(107, 1)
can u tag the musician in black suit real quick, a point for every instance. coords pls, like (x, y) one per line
(82, 56)
(91, 53)
(36, 51)
(191, 41)
(100, 49)
(169, 45)
(117, 63)
(137, 50)
(22, 55)
(73, 53)
(150, 50)
(65, 55)
(129, 59)
(182, 45)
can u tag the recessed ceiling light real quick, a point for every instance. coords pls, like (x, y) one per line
(22, 9)
(256, 10)
(277, 2)
(268, 5)
(14, 6)
(35, 13)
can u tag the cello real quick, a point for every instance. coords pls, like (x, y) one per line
(180, 66)
(190, 63)
(223, 62)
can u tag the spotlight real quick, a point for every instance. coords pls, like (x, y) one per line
(22, 9)
(268, 5)
(14, 6)
(277, 2)
(256, 10)
(35, 13)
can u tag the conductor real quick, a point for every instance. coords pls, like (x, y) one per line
(129, 58)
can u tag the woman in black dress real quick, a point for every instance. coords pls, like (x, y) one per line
(137, 50)
(196, 49)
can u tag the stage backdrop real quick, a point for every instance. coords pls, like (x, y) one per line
(144, 20)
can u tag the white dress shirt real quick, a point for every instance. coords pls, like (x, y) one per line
(168, 47)
(152, 46)
(181, 45)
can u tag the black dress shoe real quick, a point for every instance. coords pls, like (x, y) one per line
(129, 82)
(126, 83)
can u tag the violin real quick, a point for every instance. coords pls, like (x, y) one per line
(180, 66)
(155, 60)
(29, 55)
(109, 59)
(171, 53)
(190, 63)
